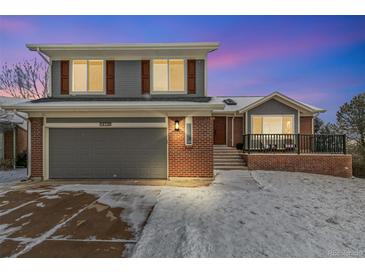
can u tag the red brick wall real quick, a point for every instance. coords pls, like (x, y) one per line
(8, 144)
(238, 130)
(229, 131)
(195, 160)
(335, 165)
(306, 125)
(21, 140)
(36, 147)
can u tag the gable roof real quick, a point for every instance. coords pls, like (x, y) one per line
(284, 99)
(242, 101)
(245, 103)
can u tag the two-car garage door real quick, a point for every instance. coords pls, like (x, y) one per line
(107, 153)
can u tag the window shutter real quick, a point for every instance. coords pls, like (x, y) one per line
(145, 65)
(191, 77)
(110, 77)
(65, 77)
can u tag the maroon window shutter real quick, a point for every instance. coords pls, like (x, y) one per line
(110, 77)
(145, 65)
(191, 77)
(65, 77)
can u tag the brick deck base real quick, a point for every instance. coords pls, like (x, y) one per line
(335, 165)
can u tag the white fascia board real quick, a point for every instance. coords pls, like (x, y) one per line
(111, 107)
(210, 46)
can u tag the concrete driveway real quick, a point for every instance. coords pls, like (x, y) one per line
(73, 220)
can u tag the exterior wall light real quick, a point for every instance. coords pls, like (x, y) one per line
(177, 126)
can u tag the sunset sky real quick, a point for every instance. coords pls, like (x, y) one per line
(317, 59)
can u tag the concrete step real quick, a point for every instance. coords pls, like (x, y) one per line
(238, 159)
(231, 167)
(229, 164)
(227, 151)
(216, 159)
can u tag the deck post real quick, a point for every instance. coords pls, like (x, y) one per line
(248, 143)
(344, 143)
(298, 143)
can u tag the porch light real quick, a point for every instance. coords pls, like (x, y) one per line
(177, 126)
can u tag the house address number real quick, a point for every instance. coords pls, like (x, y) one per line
(105, 124)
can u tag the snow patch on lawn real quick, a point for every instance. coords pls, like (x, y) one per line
(279, 214)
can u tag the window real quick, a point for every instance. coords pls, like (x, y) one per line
(168, 75)
(272, 124)
(87, 76)
(188, 131)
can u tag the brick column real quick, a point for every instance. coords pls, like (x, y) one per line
(194, 160)
(36, 147)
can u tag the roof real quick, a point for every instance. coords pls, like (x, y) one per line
(216, 104)
(141, 50)
(241, 101)
(245, 103)
(117, 104)
(10, 100)
(196, 99)
(284, 99)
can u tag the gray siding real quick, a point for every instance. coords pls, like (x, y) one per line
(273, 107)
(128, 79)
(122, 153)
(200, 78)
(56, 78)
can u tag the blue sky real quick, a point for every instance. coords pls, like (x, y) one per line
(317, 59)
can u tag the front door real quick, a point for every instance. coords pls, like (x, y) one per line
(219, 130)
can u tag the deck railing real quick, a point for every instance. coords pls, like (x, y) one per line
(294, 143)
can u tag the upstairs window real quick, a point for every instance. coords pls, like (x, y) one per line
(168, 75)
(88, 76)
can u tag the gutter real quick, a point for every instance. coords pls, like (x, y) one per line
(98, 107)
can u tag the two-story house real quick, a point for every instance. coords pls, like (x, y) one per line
(143, 111)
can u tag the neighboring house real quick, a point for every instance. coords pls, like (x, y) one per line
(13, 132)
(143, 111)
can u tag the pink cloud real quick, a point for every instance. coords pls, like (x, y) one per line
(227, 58)
(14, 24)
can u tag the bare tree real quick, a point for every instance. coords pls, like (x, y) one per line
(25, 80)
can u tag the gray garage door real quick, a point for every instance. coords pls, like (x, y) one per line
(107, 153)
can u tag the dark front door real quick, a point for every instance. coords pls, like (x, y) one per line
(219, 130)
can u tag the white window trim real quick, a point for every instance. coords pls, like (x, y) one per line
(87, 92)
(188, 119)
(273, 115)
(168, 77)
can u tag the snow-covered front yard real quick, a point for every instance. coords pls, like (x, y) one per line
(258, 214)
(242, 214)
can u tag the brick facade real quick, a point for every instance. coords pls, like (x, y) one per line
(195, 160)
(36, 147)
(306, 126)
(335, 165)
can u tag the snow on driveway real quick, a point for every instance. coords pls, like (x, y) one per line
(279, 214)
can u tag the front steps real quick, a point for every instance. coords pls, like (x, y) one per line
(228, 158)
